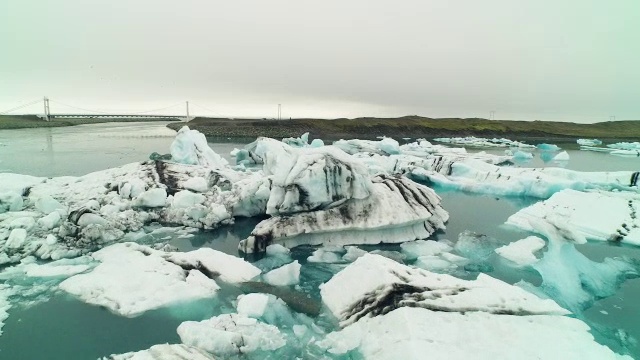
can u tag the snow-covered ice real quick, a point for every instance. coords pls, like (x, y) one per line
(230, 334)
(416, 333)
(522, 252)
(132, 278)
(285, 275)
(164, 352)
(597, 215)
(374, 285)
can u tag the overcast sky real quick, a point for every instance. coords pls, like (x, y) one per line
(568, 60)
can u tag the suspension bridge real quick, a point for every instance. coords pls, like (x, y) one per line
(68, 111)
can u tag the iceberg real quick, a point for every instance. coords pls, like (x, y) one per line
(569, 277)
(374, 285)
(562, 156)
(388, 311)
(397, 210)
(522, 252)
(230, 334)
(483, 142)
(132, 279)
(284, 276)
(164, 352)
(410, 333)
(589, 142)
(548, 147)
(596, 215)
(190, 147)
(386, 146)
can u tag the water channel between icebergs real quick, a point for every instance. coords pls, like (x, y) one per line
(65, 328)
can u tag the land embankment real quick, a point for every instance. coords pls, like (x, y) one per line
(32, 121)
(413, 127)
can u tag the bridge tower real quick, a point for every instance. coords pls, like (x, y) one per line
(47, 111)
(188, 112)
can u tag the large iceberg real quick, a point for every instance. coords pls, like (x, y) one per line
(190, 147)
(388, 311)
(397, 210)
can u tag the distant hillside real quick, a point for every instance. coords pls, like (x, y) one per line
(412, 127)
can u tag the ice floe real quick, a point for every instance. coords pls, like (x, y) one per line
(164, 352)
(410, 333)
(522, 252)
(132, 278)
(374, 285)
(231, 334)
(483, 142)
(597, 215)
(589, 142)
(387, 311)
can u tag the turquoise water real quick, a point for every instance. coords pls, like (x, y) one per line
(64, 328)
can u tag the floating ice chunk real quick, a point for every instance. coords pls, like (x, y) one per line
(316, 143)
(253, 305)
(589, 142)
(302, 141)
(46, 204)
(91, 219)
(228, 268)
(522, 155)
(548, 147)
(285, 275)
(50, 221)
(368, 286)
(277, 249)
(190, 147)
(406, 333)
(522, 252)
(627, 153)
(562, 156)
(164, 352)
(386, 146)
(323, 255)
(603, 216)
(435, 264)
(132, 279)
(397, 210)
(569, 277)
(156, 197)
(16, 239)
(474, 246)
(625, 145)
(10, 201)
(352, 253)
(196, 183)
(185, 199)
(317, 179)
(230, 334)
(414, 249)
(25, 222)
(17, 183)
(483, 142)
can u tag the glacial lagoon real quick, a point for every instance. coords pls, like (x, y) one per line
(50, 324)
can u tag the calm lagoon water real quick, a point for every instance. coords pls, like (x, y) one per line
(64, 328)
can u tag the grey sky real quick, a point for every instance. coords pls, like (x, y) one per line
(550, 60)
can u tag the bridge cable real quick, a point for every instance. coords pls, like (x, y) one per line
(148, 111)
(79, 108)
(20, 107)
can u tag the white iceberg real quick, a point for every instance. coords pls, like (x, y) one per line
(230, 334)
(132, 279)
(190, 147)
(522, 252)
(397, 210)
(410, 333)
(164, 352)
(589, 142)
(597, 215)
(284, 276)
(374, 285)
